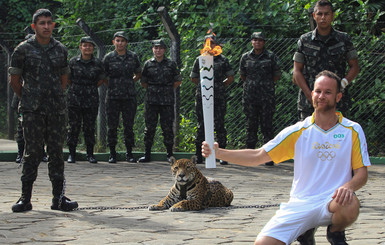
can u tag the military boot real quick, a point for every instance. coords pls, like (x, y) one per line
(129, 156)
(112, 158)
(147, 155)
(169, 153)
(20, 152)
(72, 155)
(59, 201)
(90, 154)
(24, 202)
(45, 156)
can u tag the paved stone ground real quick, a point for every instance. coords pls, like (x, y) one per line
(123, 186)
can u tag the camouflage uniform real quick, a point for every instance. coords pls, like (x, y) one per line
(318, 55)
(259, 93)
(222, 70)
(121, 94)
(83, 99)
(160, 99)
(42, 105)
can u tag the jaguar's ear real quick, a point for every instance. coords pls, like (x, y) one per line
(172, 160)
(194, 159)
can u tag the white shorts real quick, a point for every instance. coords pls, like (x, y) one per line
(296, 217)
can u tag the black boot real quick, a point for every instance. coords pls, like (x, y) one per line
(129, 156)
(20, 152)
(45, 156)
(59, 201)
(336, 238)
(24, 202)
(72, 154)
(112, 158)
(147, 155)
(169, 153)
(90, 154)
(307, 238)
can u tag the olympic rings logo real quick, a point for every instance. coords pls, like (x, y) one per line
(326, 155)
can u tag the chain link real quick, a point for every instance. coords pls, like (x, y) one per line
(146, 207)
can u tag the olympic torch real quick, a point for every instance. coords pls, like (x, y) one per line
(206, 66)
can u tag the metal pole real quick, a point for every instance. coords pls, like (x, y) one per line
(175, 56)
(10, 94)
(312, 23)
(102, 121)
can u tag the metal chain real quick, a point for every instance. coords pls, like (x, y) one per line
(145, 207)
(62, 194)
(112, 208)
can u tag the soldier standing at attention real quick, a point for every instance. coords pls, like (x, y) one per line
(87, 74)
(259, 70)
(20, 138)
(323, 49)
(123, 69)
(223, 76)
(41, 62)
(160, 76)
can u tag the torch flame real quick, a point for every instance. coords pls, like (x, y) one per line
(207, 50)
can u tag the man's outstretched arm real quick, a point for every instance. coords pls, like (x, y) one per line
(244, 157)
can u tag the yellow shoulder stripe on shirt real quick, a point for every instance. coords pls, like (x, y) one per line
(286, 148)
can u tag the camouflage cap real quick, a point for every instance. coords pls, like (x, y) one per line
(121, 34)
(258, 35)
(87, 39)
(159, 42)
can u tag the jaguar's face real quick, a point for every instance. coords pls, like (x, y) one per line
(183, 170)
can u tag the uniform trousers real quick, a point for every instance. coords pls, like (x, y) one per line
(78, 117)
(39, 129)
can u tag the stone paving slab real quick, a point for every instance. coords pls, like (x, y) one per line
(127, 188)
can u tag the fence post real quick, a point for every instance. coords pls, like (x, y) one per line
(311, 20)
(10, 93)
(175, 56)
(102, 122)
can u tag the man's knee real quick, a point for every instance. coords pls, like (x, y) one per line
(267, 240)
(347, 213)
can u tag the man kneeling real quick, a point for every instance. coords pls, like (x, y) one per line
(326, 148)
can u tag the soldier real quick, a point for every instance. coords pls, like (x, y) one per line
(259, 70)
(123, 69)
(41, 62)
(223, 76)
(87, 74)
(20, 138)
(160, 76)
(323, 49)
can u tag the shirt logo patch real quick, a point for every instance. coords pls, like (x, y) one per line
(338, 136)
(326, 145)
(326, 155)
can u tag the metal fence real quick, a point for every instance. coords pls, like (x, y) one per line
(367, 92)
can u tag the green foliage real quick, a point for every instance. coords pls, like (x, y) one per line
(3, 123)
(186, 135)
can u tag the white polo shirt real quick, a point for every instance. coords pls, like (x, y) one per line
(323, 160)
